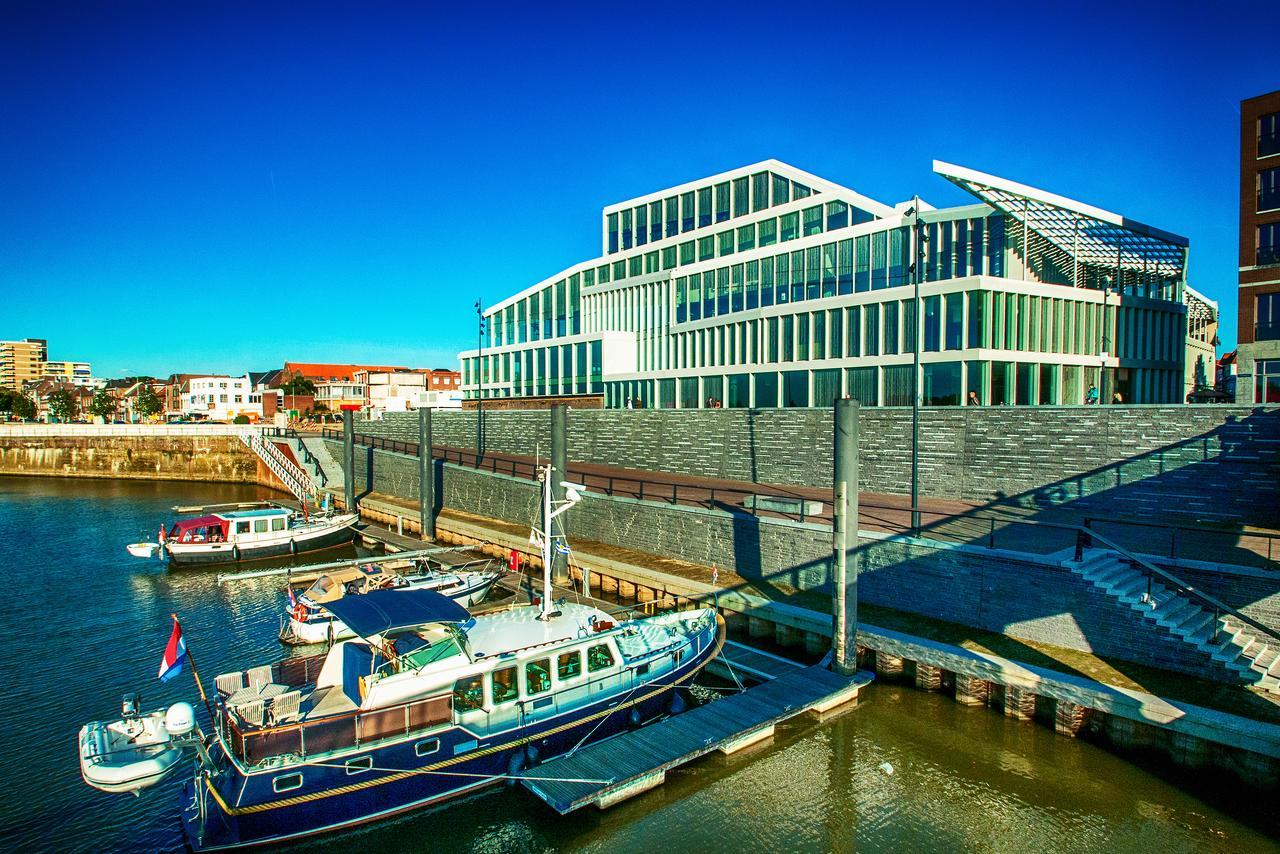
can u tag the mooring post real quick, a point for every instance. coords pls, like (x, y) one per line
(844, 607)
(349, 459)
(426, 476)
(559, 474)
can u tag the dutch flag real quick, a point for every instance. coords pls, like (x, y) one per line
(175, 654)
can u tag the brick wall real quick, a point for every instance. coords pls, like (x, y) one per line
(1220, 463)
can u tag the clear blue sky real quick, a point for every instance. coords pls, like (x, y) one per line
(198, 187)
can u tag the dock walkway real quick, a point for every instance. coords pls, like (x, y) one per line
(639, 760)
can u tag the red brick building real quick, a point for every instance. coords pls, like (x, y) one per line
(1259, 294)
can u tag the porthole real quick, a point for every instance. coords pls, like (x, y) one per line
(426, 747)
(286, 783)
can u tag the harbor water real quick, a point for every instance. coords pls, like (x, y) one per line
(86, 623)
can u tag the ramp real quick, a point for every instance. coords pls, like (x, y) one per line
(637, 761)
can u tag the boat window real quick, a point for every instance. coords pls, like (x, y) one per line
(537, 676)
(643, 670)
(359, 765)
(286, 783)
(468, 693)
(599, 657)
(242, 527)
(426, 747)
(569, 665)
(259, 526)
(504, 685)
(277, 524)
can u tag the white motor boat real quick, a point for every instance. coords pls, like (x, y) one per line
(307, 620)
(143, 549)
(137, 751)
(240, 535)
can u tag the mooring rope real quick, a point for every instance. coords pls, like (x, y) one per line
(465, 774)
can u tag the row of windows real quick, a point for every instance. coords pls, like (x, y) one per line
(867, 263)
(469, 692)
(973, 383)
(558, 369)
(551, 312)
(694, 209)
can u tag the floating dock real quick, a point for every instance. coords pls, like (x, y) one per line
(639, 760)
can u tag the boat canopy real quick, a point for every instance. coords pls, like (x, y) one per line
(182, 526)
(381, 611)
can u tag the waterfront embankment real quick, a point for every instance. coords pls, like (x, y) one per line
(211, 453)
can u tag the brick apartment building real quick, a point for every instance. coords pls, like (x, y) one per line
(1259, 294)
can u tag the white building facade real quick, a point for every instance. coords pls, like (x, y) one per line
(767, 286)
(221, 398)
(400, 391)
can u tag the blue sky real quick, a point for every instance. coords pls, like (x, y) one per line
(221, 186)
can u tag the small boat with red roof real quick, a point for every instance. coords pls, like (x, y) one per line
(229, 536)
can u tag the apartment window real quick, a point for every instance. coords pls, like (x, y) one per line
(1268, 244)
(642, 225)
(768, 232)
(1267, 318)
(1269, 135)
(790, 226)
(746, 238)
(781, 190)
(837, 215)
(613, 233)
(725, 240)
(813, 220)
(741, 197)
(673, 216)
(1269, 189)
(655, 221)
(759, 191)
(932, 324)
(626, 229)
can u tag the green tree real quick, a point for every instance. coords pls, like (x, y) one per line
(22, 406)
(62, 405)
(103, 404)
(147, 403)
(6, 400)
(298, 384)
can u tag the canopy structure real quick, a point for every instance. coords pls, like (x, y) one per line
(381, 611)
(1086, 245)
(184, 525)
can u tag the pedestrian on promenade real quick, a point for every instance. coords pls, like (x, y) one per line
(1117, 399)
(973, 398)
(1091, 396)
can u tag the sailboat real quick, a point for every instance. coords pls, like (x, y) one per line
(425, 703)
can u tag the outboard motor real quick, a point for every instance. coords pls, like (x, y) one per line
(130, 706)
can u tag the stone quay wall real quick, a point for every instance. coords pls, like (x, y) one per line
(195, 457)
(1219, 463)
(1000, 591)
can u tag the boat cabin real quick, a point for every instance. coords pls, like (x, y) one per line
(240, 526)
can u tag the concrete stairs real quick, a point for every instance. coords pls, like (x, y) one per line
(294, 478)
(325, 464)
(1234, 646)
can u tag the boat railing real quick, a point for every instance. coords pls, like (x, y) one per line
(297, 672)
(253, 745)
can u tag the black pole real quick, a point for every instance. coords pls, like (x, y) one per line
(559, 473)
(349, 459)
(844, 607)
(426, 476)
(915, 372)
(479, 382)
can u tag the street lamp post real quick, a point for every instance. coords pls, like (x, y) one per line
(479, 381)
(916, 270)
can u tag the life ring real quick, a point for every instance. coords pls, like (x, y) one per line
(300, 612)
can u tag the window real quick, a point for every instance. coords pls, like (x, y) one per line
(613, 233)
(1266, 383)
(781, 190)
(722, 202)
(977, 305)
(725, 241)
(813, 220)
(759, 191)
(942, 384)
(1269, 135)
(277, 524)
(954, 321)
(259, 526)
(673, 216)
(642, 225)
(746, 238)
(242, 527)
(426, 747)
(768, 232)
(795, 388)
(655, 221)
(837, 215)
(704, 207)
(599, 657)
(358, 765)
(1268, 244)
(286, 783)
(932, 324)
(537, 676)
(568, 666)
(741, 199)
(1269, 189)
(626, 229)
(766, 390)
(504, 685)
(1267, 318)
(688, 212)
(706, 248)
(468, 694)
(790, 225)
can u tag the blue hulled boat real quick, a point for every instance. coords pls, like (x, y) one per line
(427, 703)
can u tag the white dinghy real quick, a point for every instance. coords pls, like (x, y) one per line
(137, 751)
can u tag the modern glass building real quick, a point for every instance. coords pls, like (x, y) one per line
(767, 286)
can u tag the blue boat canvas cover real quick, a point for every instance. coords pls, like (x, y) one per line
(381, 611)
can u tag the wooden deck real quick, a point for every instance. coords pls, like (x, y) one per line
(637, 761)
(742, 663)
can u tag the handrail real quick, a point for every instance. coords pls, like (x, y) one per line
(1271, 538)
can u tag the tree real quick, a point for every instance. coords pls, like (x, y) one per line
(298, 385)
(22, 406)
(62, 405)
(147, 403)
(103, 404)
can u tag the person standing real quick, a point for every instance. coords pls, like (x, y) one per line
(1091, 396)
(973, 398)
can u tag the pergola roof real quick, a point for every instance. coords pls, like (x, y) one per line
(1089, 235)
(1199, 307)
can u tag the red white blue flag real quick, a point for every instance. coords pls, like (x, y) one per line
(175, 654)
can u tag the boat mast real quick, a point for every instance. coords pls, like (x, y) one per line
(546, 544)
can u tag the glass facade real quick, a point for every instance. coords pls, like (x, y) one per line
(758, 290)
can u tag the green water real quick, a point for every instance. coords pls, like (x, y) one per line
(86, 622)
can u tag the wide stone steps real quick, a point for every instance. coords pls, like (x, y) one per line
(1229, 644)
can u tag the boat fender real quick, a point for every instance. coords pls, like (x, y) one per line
(678, 704)
(235, 553)
(530, 756)
(634, 718)
(515, 765)
(293, 547)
